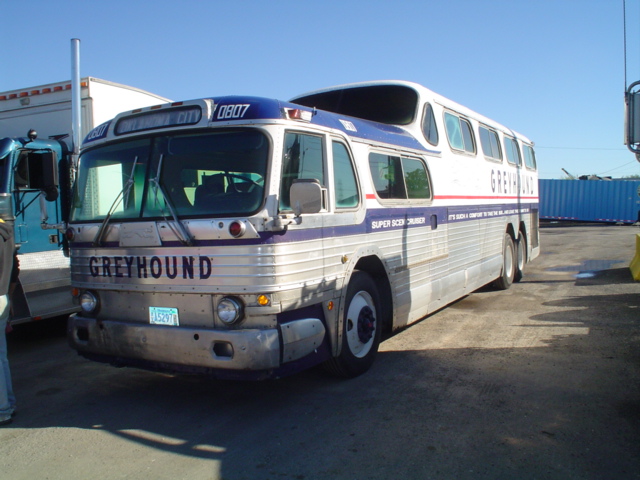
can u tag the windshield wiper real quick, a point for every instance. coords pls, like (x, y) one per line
(124, 194)
(182, 233)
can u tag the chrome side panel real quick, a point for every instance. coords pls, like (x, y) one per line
(46, 286)
(301, 337)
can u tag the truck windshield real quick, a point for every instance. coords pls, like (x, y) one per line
(218, 174)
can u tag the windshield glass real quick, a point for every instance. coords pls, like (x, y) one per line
(218, 173)
(391, 104)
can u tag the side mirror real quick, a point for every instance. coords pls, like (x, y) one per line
(632, 119)
(306, 196)
(42, 168)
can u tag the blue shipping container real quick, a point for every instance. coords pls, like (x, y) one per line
(590, 200)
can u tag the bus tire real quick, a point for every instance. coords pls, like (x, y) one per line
(361, 328)
(504, 281)
(521, 256)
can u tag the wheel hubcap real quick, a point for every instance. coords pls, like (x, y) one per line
(361, 324)
(366, 324)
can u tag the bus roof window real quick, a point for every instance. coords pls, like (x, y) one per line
(390, 104)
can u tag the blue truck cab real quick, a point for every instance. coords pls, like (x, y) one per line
(29, 174)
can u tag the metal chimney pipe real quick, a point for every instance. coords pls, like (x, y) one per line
(76, 106)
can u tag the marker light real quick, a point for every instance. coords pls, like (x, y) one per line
(70, 234)
(298, 114)
(230, 310)
(237, 229)
(263, 300)
(31, 93)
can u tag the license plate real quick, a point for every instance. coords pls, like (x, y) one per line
(163, 316)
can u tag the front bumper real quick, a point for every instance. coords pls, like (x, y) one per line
(243, 349)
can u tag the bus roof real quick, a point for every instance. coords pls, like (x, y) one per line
(243, 110)
(394, 102)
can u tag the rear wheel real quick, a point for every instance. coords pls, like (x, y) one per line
(508, 264)
(361, 328)
(521, 256)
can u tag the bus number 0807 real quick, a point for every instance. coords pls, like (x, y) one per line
(232, 111)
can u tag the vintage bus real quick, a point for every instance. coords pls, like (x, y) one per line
(414, 108)
(245, 237)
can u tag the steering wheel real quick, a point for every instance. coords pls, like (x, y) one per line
(253, 183)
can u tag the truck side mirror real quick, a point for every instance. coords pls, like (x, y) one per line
(306, 196)
(632, 119)
(42, 168)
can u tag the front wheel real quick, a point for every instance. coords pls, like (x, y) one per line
(361, 328)
(504, 281)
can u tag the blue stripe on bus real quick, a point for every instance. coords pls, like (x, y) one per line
(376, 220)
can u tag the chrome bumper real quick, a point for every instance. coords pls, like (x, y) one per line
(248, 349)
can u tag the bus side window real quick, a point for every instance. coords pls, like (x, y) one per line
(386, 172)
(467, 134)
(429, 127)
(529, 157)
(416, 178)
(452, 126)
(513, 152)
(459, 133)
(344, 178)
(490, 144)
(303, 158)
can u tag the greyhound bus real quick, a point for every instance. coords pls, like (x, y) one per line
(245, 237)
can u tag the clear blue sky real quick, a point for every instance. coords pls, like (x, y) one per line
(552, 70)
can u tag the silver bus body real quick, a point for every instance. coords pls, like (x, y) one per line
(315, 268)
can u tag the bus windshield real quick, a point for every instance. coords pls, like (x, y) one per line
(218, 173)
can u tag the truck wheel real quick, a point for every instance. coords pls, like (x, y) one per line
(521, 256)
(361, 328)
(504, 281)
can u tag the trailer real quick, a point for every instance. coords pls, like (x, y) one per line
(606, 201)
(35, 130)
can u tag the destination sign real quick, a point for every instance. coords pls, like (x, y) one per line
(159, 119)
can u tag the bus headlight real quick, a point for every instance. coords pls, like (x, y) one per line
(88, 302)
(230, 310)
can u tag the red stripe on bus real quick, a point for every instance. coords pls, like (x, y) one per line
(479, 197)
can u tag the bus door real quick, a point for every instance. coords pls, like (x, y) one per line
(411, 226)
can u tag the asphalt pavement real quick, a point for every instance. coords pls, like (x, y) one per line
(537, 382)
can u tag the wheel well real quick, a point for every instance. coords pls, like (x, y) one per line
(521, 228)
(374, 267)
